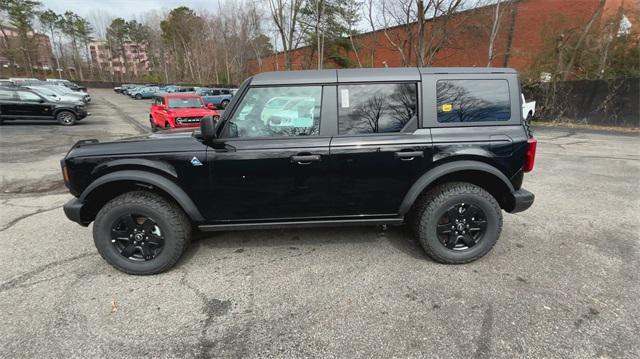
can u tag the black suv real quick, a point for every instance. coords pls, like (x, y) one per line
(20, 103)
(441, 149)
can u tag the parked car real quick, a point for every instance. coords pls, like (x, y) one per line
(23, 80)
(20, 103)
(49, 93)
(63, 90)
(446, 161)
(128, 87)
(6, 82)
(69, 84)
(144, 92)
(178, 111)
(528, 108)
(218, 97)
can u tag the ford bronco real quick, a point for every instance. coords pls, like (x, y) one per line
(443, 150)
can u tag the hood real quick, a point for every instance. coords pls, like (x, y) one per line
(193, 112)
(178, 140)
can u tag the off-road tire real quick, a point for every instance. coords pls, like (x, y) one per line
(154, 127)
(66, 118)
(431, 206)
(171, 219)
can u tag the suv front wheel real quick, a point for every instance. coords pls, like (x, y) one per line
(457, 222)
(66, 118)
(141, 233)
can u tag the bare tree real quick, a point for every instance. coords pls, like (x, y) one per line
(285, 17)
(495, 27)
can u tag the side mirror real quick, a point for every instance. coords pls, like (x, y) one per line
(211, 106)
(208, 127)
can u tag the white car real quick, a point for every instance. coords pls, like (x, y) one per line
(528, 108)
(46, 91)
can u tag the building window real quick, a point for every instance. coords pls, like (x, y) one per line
(376, 108)
(473, 101)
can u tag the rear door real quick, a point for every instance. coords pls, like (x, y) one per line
(7, 102)
(273, 168)
(380, 149)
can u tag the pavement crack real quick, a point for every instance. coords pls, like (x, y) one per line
(19, 280)
(18, 219)
(484, 337)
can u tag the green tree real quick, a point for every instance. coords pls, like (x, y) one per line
(84, 32)
(69, 26)
(21, 14)
(139, 36)
(329, 28)
(49, 21)
(181, 32)
(118, 35)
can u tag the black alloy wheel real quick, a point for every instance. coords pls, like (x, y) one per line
(461, 227)
(137, 237)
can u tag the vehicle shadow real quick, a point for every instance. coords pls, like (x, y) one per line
(398, 237)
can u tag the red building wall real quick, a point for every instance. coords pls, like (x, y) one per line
(528, 23)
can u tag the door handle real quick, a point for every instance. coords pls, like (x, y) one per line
(408, 155)
(305, 159)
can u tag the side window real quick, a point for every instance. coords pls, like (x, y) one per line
(377, 108)
(6, 95)
(279, 111)
(215, 92)
(28, 96)
(473, 100)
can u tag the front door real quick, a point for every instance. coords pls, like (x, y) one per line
(30, 104)
(270, 164)
(379, 151)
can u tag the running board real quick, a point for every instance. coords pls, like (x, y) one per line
(299, 224)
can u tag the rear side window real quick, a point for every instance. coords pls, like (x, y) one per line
(473, 101)
(6, 95)
(376, 108)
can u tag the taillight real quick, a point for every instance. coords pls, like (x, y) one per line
(530, 156)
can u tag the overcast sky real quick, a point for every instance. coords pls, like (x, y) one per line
(128, 9)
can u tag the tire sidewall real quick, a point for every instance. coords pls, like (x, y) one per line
(102, 238)
(60, 121)
(484, 245)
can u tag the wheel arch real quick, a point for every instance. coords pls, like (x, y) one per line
(475, 172)
(113, 184)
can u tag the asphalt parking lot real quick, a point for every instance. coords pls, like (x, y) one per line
(563, 280)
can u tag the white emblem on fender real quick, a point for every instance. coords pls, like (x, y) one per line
(195, 161)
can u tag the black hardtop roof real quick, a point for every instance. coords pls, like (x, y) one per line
(366, 74)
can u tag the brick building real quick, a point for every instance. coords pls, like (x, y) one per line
(135, 56)
(526, 27)
(41, 54)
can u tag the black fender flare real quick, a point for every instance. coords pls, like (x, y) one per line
(153, 179)
(444, 169)
(160, 166)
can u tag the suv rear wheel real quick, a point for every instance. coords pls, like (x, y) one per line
(457, 222)
(141, 233)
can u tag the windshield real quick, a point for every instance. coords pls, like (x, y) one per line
(185, 102)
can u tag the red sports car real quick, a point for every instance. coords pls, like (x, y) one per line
(178, 111)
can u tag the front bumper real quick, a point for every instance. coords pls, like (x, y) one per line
(73, 211)
(522, 200)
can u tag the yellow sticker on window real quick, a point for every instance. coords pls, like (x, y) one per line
(447, 107)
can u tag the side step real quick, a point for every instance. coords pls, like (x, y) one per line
(300, 224)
